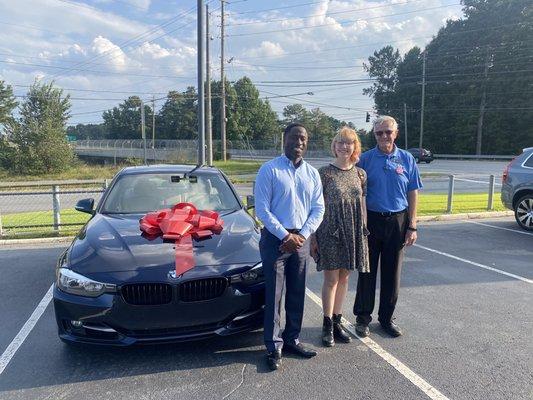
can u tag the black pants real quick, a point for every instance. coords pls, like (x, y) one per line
(385, 244)
(283, 272)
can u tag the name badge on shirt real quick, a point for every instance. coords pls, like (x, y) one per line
(399, 169)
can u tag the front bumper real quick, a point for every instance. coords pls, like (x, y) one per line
(109, 320)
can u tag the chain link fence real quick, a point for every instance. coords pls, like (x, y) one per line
(186, 151)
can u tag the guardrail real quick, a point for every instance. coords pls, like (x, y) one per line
(473, 157)
(43, 207)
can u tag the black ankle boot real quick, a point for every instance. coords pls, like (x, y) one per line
(327, 332)
(338, 332)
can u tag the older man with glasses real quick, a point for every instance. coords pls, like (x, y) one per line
(392, 194)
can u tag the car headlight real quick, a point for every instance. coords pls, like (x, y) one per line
(253, 274)
(74, 283)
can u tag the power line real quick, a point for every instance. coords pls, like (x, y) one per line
(340, 23)
(323, 14)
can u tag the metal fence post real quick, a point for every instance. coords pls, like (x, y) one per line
(106, 184)
(56, 207)
(450, 194)
(490, 204)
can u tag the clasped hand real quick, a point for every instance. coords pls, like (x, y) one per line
(291, 243)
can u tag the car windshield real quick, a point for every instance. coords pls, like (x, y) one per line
(142, 193)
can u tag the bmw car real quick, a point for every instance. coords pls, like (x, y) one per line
(117, 286)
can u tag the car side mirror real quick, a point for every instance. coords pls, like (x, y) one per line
(250, 201)
(85, 205)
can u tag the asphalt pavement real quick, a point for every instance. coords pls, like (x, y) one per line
(465, 307)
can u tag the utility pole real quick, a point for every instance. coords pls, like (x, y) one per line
(222, 83)
(153, 121)
(143, 131)
(201, 79)
(482, 105)
(208, 119)
(423, 98)
(405, 123)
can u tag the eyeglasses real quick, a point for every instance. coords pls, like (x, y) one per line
(341, 142)
(381, 133)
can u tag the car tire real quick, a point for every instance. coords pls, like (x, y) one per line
(428, 161)
(417, 160)
(523, 212)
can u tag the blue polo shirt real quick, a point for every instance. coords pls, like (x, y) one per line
(390, 178)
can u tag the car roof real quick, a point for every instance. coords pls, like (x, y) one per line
(168, 169)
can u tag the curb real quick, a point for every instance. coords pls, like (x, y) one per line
(61, 239)
(478, 215)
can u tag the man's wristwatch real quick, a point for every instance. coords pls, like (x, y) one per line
(410, 228)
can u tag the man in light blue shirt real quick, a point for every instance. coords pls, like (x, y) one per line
(289, 202)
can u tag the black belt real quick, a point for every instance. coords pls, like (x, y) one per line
(292, 230)
(386, 213)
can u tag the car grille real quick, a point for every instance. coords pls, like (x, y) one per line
(202, 289)
(144, 294)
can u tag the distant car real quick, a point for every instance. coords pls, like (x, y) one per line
(426, 156)
(114, 286)
(517, 188)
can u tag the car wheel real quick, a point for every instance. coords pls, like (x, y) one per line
(417, 160)
(523, 212)
(428, 161)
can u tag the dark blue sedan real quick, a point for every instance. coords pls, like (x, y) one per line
(116, 286)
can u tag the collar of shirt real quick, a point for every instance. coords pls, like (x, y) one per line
(395, 153)
(289, 162)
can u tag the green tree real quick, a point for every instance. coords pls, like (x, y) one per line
(7, 103)
(88, 131)
(255, 118)
(124, 121)
(485, 55)
(178, 118)
(39, 135)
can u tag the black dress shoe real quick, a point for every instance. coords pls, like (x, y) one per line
(274, 360)
(327, 332)
(300, 350)
(338, 331)
(392, 329)
(362, 329)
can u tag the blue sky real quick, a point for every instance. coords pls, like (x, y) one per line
(101, 51)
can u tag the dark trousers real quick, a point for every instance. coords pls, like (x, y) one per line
(385, 245)
(284, 272)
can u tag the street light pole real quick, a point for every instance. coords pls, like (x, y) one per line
(201, 79)
(143, 131)
(423, 99)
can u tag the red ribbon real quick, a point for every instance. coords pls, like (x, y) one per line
(182, 223)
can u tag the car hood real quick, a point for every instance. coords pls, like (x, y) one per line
(114, 243)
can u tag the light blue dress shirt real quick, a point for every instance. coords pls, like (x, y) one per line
(390, 178)
(288, 198)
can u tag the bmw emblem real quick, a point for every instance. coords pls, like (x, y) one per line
(172, 274)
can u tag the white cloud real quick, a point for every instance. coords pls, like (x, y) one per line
(266, 48)
(112, 53)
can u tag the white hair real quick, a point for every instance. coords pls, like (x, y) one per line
(385, 118)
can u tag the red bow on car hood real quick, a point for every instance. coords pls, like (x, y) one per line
(182, 223)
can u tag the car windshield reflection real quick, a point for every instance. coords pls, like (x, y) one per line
(142, 193)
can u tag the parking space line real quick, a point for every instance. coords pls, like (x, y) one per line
(499, 271)
(403, 369)
(8, 354)
(499, 227)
